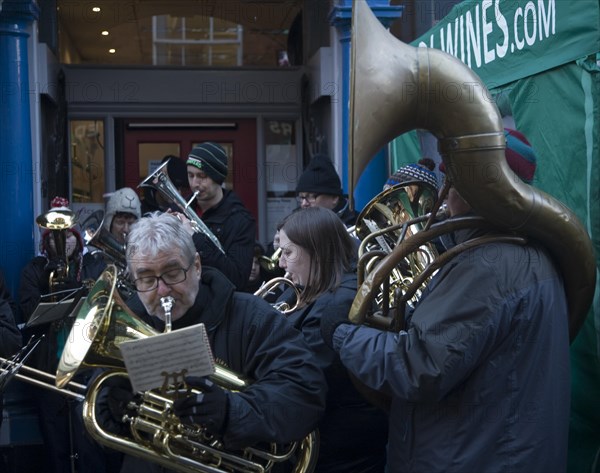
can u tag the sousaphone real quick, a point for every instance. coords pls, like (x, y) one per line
(396, 88)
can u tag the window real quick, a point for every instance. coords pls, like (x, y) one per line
(87, 160)
(196, 41)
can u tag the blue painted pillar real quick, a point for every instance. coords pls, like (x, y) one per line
(375, 174)
(16, 169)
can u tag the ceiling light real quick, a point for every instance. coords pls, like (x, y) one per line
(112, 50)
(105, 33)
(96, 9)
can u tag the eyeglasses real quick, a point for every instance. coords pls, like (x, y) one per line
(170, 278)
(310, 198)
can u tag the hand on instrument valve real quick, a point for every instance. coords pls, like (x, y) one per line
(207, 408)
(330, 320)
(113, 404)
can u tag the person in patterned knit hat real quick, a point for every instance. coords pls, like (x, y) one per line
(423, 171)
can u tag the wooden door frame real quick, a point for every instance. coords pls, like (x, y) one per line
(240, 132)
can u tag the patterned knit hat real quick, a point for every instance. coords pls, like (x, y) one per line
(420, 171)
(210, 158)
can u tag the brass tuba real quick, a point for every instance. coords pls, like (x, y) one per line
(159, 181)
(58, 221)
(396, 88)
(155, 433)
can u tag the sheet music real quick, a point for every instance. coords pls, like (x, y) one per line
(147, 359)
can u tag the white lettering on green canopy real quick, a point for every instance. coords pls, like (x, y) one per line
(505, 40)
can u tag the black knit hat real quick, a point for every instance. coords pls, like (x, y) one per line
(320, 177)
(177, 171)
(211, 158)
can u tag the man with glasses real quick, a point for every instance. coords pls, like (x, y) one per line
(320, 186)
(287, 395)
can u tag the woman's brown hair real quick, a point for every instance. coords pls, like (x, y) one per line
(321, 233)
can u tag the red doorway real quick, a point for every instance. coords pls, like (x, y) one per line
(148, 141)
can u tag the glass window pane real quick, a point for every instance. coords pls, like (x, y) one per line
(281, 170)
(169, 27)
(87, 160)
(169, 55)
(197, 28)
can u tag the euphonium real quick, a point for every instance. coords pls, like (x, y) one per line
(159, 181)
(155, 433)
(396, 88)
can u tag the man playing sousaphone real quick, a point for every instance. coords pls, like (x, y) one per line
(286, 397)
(478, 379)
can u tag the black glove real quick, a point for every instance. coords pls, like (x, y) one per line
(208, 408)
(53, 265)
(60, 282)
(330, 320)
(112, 403)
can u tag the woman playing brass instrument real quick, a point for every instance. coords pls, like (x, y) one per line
(318, 255)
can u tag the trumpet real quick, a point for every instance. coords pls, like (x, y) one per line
(158, 180)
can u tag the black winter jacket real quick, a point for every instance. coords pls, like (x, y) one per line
(287, 398)
(10, 337)
(234, 227)
(353, 433)
(34, 283)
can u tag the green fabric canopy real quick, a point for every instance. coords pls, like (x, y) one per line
(542, 68)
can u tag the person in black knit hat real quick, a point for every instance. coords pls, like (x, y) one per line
(223, 213)
(320, 186)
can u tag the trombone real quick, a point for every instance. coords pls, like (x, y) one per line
(14, 367)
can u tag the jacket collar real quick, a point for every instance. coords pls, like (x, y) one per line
(212, 302)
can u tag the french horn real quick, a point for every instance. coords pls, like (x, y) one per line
(155, 433)
(395, 214)
(396, 88)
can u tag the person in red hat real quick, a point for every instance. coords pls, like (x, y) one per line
(57, 273)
